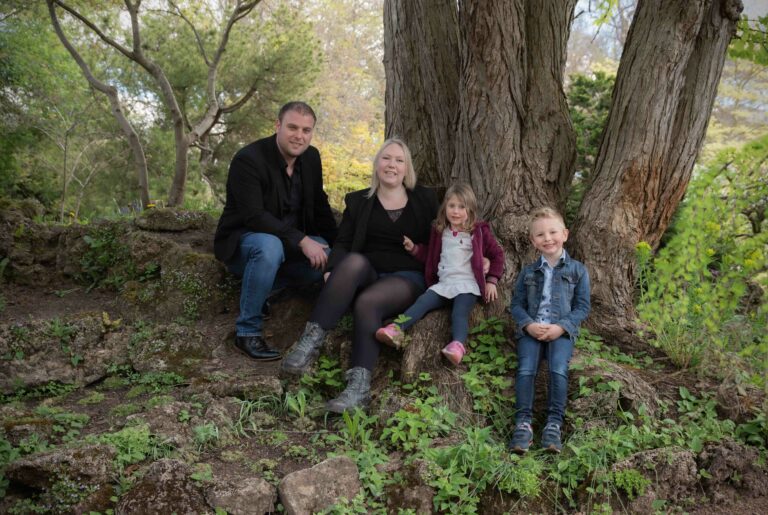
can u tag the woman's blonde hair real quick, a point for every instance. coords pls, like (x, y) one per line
(464, 193)
(409, 181)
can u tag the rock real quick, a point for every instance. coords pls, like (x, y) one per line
(165, 488)
(170, 348)
(243, 496)
(602, 405)
(673, 474)
(164, 422)
(250, 388)
(314, 489)
(92, 464)
(174, 219)
(732, 471)
(75, 350)
(412, 492)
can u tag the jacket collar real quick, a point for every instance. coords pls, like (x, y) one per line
(560, 262)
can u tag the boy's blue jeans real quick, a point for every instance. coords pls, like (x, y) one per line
(558, 355)
(260, 262)
(429, 301)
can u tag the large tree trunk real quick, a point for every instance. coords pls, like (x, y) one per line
(475, 88)
(665, 89)
(491, 112)
(422, 82)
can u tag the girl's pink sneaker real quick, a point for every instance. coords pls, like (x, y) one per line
(390, 335)
(454, 351)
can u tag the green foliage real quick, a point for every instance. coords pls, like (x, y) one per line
(631, 481)
(589, 99)
(62, 496)
(754, 431)
(135, 444)
(327, 378)
(489, 369)
(357, 443)
(415, 425)
(751, 41)
(45, 391)
(202, 473)
(106, 261)
(65, 425)
(461, 472)
(206, 435)
(703, 293)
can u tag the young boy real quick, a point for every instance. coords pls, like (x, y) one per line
(550, 301)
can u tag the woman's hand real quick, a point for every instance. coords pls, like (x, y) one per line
(408, 244)
(490, 292)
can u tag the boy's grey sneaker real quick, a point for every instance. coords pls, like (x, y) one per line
(550, 438)
(522, 438)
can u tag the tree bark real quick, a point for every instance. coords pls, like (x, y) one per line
(665, 89)
(421, 62)
(475, 88)
(512, 138)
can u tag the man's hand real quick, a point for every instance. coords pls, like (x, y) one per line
(325, 277)
(314, 251)
(490, 292)
(408, 244)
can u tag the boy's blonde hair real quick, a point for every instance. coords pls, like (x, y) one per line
(545, 212)
(464, 193)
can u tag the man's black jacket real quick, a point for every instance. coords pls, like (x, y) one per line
(257, 199)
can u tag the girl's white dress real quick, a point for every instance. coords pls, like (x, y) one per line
(454, 271)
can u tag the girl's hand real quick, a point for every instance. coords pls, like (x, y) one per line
(490, 292)
(408, 244)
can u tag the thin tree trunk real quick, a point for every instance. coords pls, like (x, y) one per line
(139, 159)
(665, 89)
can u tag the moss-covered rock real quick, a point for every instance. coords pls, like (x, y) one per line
(174, 220)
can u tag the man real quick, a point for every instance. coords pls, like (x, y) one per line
(277, 224)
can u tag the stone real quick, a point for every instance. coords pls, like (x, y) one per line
(673, 474)
(174, 220)
(91, 464)
(242, 496)
(166, 487)
(75, 350)
(170, 348)
(311, 490)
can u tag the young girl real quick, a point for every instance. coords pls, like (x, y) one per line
(453, 261)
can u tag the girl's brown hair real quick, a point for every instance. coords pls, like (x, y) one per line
(464, 193)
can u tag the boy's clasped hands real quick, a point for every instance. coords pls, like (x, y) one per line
(544, 332)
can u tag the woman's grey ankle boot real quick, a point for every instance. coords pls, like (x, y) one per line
(357, 393)
(305, 350)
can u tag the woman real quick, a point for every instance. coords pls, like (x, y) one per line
(370, 267)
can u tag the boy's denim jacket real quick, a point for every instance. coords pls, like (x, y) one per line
(570, 295)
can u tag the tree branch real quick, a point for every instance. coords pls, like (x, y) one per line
(108, 40)
(199, 40)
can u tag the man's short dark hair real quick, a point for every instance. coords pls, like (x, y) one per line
(299, 107)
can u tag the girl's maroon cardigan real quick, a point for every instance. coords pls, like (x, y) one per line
(484, 244)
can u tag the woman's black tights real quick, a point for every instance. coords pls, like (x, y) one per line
(375, 299)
